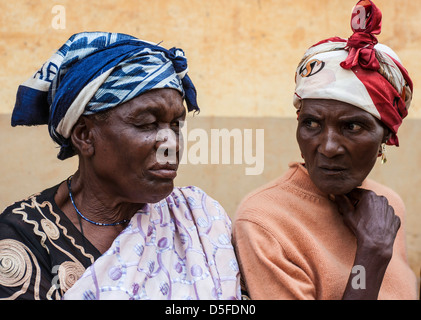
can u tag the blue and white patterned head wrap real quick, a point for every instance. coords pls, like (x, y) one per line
(93, 72)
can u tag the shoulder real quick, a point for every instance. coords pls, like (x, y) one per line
(196, 199)
(22, 240)
(192, 194)
(11, 213)
(381, 189)
(271, 195)
(194, 209)
(27, 213)
(392, 196)
(192, 191)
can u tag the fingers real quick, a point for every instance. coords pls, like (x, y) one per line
(370, 218)
(348, 202)
(367, 206)
(397, 222)
(344, 204)
(357, 194)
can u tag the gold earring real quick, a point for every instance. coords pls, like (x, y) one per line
(383, 153)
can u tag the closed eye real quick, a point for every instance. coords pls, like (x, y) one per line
(147, 126)
(176, 125)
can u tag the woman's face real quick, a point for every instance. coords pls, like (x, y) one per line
(339, 142)
(126, 144)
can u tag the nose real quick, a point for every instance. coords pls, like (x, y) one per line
(167, 145)
(331, 143)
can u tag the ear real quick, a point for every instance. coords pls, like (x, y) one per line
(82, 137)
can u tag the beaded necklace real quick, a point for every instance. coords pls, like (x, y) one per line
(69, 185)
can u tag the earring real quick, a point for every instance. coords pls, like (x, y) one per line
(383, 153)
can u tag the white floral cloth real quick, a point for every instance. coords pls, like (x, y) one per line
(178, 248)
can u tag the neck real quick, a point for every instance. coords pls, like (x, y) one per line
(95, 204)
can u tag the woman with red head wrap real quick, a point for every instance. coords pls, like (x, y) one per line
(358, 71)
(323, 230)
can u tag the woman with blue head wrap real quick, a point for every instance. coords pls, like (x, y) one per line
(93, 72)
(117, 228)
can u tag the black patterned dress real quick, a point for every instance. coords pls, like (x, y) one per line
(42, 253)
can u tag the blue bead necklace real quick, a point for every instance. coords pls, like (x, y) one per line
(69, 185)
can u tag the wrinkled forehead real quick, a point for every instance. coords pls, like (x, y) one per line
(157, 102)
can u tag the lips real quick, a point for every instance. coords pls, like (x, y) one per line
(164, 171)
(332, 169)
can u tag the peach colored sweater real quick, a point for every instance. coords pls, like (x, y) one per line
(291, 243)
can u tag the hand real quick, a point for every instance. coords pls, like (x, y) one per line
(375, 225)
(371, 219)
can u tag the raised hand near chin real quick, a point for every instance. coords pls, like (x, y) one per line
(374, 223)
(370, 218)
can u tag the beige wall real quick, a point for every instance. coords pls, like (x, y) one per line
(242, 57)
(242, 53)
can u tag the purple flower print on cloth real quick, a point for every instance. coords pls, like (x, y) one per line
(178, 248)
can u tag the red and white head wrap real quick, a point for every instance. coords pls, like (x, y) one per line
(358, 71)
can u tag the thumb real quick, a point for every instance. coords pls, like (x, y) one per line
(344, 204)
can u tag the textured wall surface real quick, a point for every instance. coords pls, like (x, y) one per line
(242, 53)
(242, 57)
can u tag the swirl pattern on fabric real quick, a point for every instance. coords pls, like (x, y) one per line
(16, 267)
(69, 272)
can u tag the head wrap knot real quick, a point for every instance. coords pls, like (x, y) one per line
(366, 21)
(93, 72)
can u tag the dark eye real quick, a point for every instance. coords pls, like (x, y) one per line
(354, 127)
